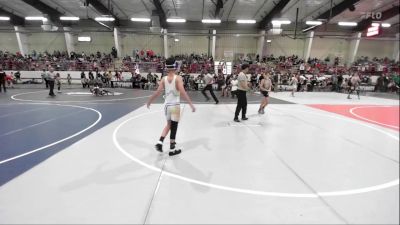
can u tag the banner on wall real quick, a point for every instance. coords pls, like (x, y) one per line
(228, 54)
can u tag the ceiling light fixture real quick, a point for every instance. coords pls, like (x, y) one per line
(69, 18)
(246, 21)
(280, 22)
(347, 24)
(36, 18)
(210, 21)
(176, 20)
(140, 19)
(316, 23)
(84, 39)
(104, 19)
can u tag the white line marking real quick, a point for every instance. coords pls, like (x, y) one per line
(372, 121)
(13, 97)
(254, 192)
(62, 140)
(24, 128)
(21, 112)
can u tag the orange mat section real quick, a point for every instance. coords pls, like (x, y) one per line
(386, 116)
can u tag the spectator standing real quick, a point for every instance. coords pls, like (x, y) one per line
(44, 79)
(2, 79)
(83, 79)
(234, 86)
(10, 80)
(69, 78)
(18, 76)
(58, 82)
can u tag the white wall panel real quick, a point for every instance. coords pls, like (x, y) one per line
(46, 42)
(327, 47)
(101, 41)
(374, 48)
(286, 46)
(236, 44)
(8, 42)
(187, 45)
(131, 42)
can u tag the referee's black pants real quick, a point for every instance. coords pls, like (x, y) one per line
(209, 88)
(241, 104)
(51, 85)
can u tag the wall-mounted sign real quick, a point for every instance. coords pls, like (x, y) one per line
(373, 31)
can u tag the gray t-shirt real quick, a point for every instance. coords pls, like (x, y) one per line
(50, 76)
(242, 78)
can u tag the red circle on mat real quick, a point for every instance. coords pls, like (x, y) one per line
(383, 115)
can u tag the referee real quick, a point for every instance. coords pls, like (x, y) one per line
(243, 87)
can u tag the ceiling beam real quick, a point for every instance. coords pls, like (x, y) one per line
(103, 9)
(337, 9)
(14, 19)
(332, 12)
(53, 14)
(218, 6)
(275, 12)
(387, 14)
(161, 14)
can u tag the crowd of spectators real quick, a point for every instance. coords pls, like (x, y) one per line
(312, 73)
(59, 60)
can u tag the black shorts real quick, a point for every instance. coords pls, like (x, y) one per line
(265, 93)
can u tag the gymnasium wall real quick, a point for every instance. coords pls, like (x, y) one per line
(132, 41)
(46, 42)
(376, 48)
(286, 46)
(187, 45)
(101, 41)
(328, 47)
(8, 42)
(280, 45)
(236, 44)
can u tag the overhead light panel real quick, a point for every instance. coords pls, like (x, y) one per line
(176, 39)
(347, 24)
(210, 21)
(4, 18)
(36, 18)
(246, 21)
(69, 18)
(84, 39)
(104, 19)
(375, 24)
(269, 41)
(315, 23)
(140, 19)
(385, 24)
(176, 20)
(280, 22)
